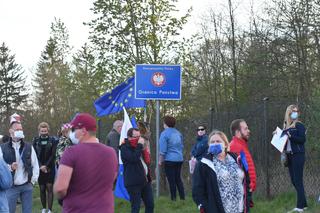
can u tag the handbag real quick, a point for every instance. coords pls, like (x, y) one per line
(284, 159)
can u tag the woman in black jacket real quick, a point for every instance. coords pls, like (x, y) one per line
(220, 181)
(296, 153)
(45, 147)
(136, 172)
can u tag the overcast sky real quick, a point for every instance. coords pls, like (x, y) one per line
(25, 24)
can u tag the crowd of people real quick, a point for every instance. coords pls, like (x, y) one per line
(73, 166)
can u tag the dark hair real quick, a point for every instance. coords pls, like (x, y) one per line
(130, 132)
(169, 121)
(204, 126)
(235, 125)
(143, 127)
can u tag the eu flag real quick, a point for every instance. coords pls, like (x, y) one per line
(121, 96)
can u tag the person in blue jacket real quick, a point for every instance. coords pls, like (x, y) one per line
(171, 154)
(5, 183)
(295, 151)
(200, 148)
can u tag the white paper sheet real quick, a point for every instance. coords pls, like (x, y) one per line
(278, 141)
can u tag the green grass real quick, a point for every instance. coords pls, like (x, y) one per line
(283, 203)
(278, 204)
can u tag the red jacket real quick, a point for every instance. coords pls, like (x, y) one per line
(237, 145)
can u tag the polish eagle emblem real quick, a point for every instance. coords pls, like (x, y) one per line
(158, 79)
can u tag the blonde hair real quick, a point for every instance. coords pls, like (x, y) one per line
(288, 122)
(43, 125)
(222, 136)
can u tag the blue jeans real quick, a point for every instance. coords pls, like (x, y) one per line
(25, 194)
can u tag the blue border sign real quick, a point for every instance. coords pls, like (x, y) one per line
(158, 82)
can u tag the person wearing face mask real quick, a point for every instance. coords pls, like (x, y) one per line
(45, 147)
(201, 147)
(220, 180)
(64, 142)
(295, 151)
(241, 133)
(22, 161)
(136, 163)
(86, 171)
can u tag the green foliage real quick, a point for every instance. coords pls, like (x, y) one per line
(12, 84)
(132, 32)
(52, 79)
(88, 81)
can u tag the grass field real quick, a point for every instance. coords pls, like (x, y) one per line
(279, 204)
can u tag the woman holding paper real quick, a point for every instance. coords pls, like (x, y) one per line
(296, 153)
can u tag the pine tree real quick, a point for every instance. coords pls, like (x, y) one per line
(87, 80)
(52, 79)
(12, 84)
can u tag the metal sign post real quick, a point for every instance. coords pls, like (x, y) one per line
(157, 142)
(157, 82)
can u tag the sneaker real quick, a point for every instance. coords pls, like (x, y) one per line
(295, 210)
(43, 210)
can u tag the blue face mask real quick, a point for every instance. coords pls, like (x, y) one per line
(215, 148)
(294, 115)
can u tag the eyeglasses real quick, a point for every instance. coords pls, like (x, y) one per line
(201, 129)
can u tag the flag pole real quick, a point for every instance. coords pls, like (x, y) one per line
(145, 114)
(157, 143)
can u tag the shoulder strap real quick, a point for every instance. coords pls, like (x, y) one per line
(234, 156)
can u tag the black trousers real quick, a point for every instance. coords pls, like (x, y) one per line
(295, 165)
(137, 193)
(173, 173)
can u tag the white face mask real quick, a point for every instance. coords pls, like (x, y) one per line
(18, 134)
(72, 136)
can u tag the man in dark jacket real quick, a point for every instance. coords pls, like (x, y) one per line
(23, 163)
(136, 174)
(113, 136)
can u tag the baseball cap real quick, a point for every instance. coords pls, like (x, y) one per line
(15, 118)
(84, 120)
